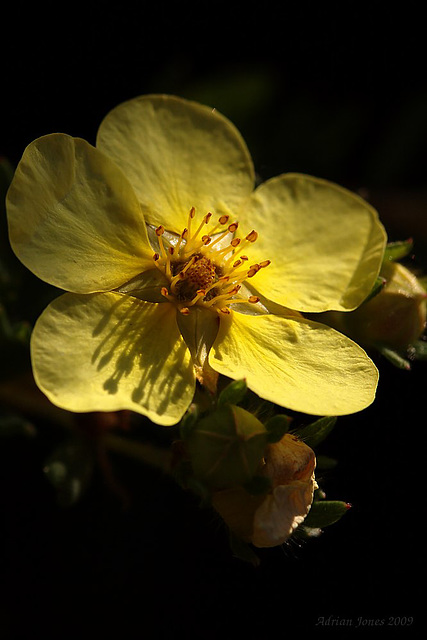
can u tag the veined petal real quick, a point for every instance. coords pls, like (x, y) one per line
(108, 352)
(325, 243)
(178, 154)
(74, 219)
(302, 365)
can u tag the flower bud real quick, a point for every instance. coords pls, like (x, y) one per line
(226, 447)
(396, 316)
(268, 520)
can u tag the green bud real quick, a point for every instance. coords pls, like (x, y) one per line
(395, 317)
(226, 447)
(393, 320)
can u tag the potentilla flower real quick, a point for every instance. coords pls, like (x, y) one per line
(269, 520)
(177, 270)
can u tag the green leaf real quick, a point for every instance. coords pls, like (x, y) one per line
(398, 250)
(233, 393)
(277, 427)
(325, 512)
(312, 434)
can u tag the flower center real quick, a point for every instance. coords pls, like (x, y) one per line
(206, 270)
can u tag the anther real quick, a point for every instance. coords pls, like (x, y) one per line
(235, 242)
(233, 227)
(252, 236)
(264, 263)
(185, 311)
(164, 292)
(253, 299)
(252, 272)
(160, 231)
(224, 219)
(156, 257)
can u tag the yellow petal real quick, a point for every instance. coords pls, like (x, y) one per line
(302, 365)
(325, 243)
(108, 352)
(177, 155)
(281, 512)
(74, 220)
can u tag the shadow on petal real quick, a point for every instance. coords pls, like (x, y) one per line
(140, 349)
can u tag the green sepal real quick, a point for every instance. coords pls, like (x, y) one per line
(395, 358)
(379, 284)
(325, 512)
(398, 250)
(258, 485)
(312, 434)
(277, 427)
(233, 393)
(243, 551)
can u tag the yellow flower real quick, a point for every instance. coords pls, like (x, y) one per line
(144, 233)
(267, 521)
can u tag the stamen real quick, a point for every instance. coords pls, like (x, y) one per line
(223, 296)
(221, 222)
(182, 237)
(181, 274)
(252, 272)
(231, 229)
(200, 294)
(168, 262)
(202, 272)
(159, 232)
(190, 218)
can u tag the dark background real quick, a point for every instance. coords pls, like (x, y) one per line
(338, 91)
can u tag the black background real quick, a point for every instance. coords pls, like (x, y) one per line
(338, 91)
